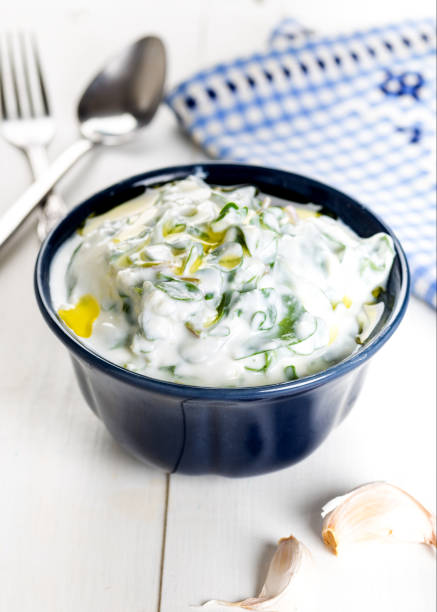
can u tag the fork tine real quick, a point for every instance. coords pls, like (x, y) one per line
(3, 108)
(44, 97)
(22, 89)
(22, 51)
(13, 70)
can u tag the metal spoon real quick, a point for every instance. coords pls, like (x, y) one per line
(121, 99)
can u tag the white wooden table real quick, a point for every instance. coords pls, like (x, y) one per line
(82, 524)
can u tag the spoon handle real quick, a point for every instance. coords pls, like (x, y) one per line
(11, 220)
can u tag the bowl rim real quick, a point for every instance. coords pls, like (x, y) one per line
(162, 175)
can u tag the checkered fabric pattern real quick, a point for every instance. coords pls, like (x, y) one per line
(356, 111)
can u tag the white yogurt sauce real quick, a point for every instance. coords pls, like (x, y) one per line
(217, 286)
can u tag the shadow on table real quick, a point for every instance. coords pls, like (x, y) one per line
(113, 453)
(312, 509)
(265, 557)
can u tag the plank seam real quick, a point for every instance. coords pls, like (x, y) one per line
(164, 540)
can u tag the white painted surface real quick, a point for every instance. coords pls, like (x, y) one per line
(80, 522)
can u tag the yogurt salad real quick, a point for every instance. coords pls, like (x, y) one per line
(220, 286)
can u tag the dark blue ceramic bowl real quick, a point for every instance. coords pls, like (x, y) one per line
(239, 431)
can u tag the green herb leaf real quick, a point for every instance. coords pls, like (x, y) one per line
(271, 317)
(258, 319)
(250, 284)
(268, 358)
(241, 239)
(224, 211)
(287, 326)
(290, 373)
(223, 308)
(192, 329)
(220, 331)
(170, 369)
(268, 221)
(178, 289)
(366, 262)
(175, 229)
(337, 247)
(127, 308)
(229, 255)
(264, 320)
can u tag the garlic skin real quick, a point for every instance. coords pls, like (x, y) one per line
(376, 510)
(287, 583)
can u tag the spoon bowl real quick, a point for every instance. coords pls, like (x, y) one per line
(125, 95)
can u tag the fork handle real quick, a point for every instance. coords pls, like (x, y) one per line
(37, 192)
(53, 208)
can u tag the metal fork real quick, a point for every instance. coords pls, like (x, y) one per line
(27, 121)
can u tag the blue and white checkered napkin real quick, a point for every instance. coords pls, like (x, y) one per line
(356, 111)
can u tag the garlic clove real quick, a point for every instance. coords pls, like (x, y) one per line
(286, 584)
(376, 510)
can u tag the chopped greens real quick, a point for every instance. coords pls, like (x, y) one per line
(179, 289)
(227, 286)
(264, 320)
(171, 369)
(267, 357)
(223, 308)
(225, 210)
(287, 325)
(290, 373)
